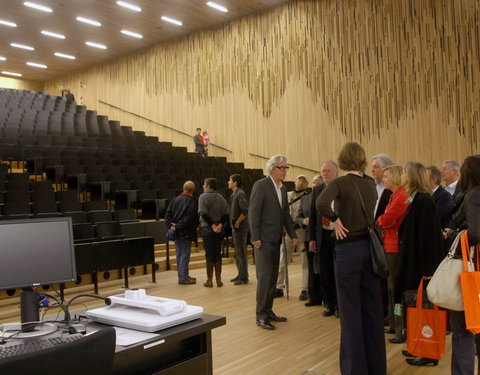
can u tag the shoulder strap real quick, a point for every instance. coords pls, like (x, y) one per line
(363, 205)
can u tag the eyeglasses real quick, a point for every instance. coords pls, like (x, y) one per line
(283, 168)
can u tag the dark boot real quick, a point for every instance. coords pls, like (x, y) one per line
(209, 283)
(218, 272)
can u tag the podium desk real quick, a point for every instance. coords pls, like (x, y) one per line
(182, 349)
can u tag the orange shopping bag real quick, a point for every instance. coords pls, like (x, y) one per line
(470, 288)
(426, 329)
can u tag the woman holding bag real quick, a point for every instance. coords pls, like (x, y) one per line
(466, 217)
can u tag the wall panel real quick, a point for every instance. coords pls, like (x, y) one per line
(399, 76)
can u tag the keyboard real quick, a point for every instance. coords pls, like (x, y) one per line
(34, 345)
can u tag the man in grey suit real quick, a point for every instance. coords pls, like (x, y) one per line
(268, 215)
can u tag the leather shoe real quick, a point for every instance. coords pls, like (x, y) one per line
(276, 318)
(328, 312)
(397, 340)
(192, 278)
(406, 353)
(187, 282)
(265, 324)
(240, 282)
(303, 295)
(234, 279)
(278, 293)
(389, 330)
(420, 361)
(308, 304)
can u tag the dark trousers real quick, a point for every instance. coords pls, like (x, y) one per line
(362, 342)
(314, 280)
(240, 245)
(212, 243)
(327, 268)
(267, 259)
(182, 249)
(464, 345)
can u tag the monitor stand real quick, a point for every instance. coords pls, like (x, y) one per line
(29, 313)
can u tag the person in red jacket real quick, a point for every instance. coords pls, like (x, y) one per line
(389, 222)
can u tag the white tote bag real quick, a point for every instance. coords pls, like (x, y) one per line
(444, 289)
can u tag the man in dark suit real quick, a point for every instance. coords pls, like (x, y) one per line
(320, 230)
(268, 215)
(441, 197)
(379, 163)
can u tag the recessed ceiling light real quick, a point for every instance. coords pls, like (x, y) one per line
(55, 35)
(38, 6)
(89, 21)
(171, 20)
(129, 6)
(22, 46)
(96, 45)
(8, 23)
(36, 65)
(3, 58)
(12, 74)
(70, 57)
(131, 33)
(217, 6)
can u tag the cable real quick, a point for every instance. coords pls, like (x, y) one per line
(67, 314)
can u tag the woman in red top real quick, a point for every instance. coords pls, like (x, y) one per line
(389, 222)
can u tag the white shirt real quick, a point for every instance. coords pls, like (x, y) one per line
(278, 188)
(451, 188)
(380, 188)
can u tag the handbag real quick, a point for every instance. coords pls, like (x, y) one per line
(445, 288)
(470, 281)
(377, 251)
(426, 329)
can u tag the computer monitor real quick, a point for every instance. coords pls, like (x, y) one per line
(35, 252)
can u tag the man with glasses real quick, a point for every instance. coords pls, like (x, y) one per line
(268, 215)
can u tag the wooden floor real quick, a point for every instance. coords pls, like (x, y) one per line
(308, 341)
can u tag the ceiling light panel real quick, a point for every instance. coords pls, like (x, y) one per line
(65, 56)
(129, 6)
(3, 58)
(8, 23)
(89, 21)
(22, 46)
(96, 45)
(172, 20)
(131, 33)
(43, 8)
(54, 35)
(37, 65)
(12, 74)
(217, 6)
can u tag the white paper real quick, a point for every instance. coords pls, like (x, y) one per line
(126, 337)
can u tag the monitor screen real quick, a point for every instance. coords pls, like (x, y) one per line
(36, 252)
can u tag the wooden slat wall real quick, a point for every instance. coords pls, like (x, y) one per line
(400, 76)
(18, 84)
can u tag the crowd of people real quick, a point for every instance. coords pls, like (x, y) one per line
(419, 210)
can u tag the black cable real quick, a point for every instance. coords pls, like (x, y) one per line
(67, 314)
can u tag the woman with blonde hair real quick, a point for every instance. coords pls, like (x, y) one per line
(420, 239)
(359, 289)
(390, 222)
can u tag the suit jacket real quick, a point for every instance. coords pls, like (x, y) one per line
(420, 242)
(267, 219)
(382, 203)
(444, 204)
(315, 223)
(304, 212)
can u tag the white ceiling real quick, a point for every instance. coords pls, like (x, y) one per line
(194, 14)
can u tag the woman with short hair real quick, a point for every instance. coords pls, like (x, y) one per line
(359, 289)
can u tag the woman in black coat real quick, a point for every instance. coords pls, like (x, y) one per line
(420, 240)
(467, 216)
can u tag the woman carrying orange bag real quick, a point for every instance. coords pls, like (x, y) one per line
(466, 217)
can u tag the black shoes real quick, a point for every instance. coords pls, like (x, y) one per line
(420, 361)
(187, 282)
(328, 312)
(311, 303)
(276, 318)
(303, 295)
(265, 324)
(397, 340)
(389, 331)
(278, 293)
(240, 282)
(407, 353)
(234, 279)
